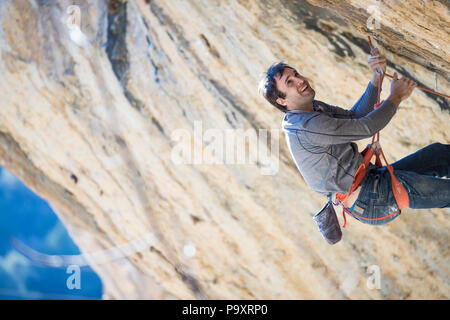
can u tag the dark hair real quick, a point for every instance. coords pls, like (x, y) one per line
(268, 87)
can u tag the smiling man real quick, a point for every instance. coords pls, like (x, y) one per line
(320, 138)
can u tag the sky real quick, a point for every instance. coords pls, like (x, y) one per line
(26, 217)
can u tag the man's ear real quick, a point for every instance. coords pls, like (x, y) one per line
(282, 101)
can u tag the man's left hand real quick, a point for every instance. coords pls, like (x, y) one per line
(377, 60)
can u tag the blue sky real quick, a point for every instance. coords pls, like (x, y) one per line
(28, 218)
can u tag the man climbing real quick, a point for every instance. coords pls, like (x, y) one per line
(320, 138)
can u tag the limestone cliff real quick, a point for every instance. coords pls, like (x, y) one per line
(93, 92)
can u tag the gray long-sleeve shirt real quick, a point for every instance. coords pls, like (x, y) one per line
(321, 141)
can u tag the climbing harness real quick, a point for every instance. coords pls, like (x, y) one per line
(374, 149)
(400, 194)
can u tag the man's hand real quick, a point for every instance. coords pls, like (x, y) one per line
(401, 89)
(377, 60)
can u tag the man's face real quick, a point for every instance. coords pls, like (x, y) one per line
(297, 89)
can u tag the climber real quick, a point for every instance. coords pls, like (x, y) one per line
(320, 138)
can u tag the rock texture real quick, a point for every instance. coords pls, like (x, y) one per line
(88, 115)
(400, 28)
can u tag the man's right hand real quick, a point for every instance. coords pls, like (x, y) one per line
(401, 89)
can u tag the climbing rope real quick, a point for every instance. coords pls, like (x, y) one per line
(418, 87)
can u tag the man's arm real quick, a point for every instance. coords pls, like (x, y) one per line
(366, 102)
(322, 129)
(364, 105)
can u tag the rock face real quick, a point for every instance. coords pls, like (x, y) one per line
(98, 97)
(400, 28)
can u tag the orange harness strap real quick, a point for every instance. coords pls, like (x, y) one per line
(400, 194)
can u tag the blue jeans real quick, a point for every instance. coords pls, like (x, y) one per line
(420, 173)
